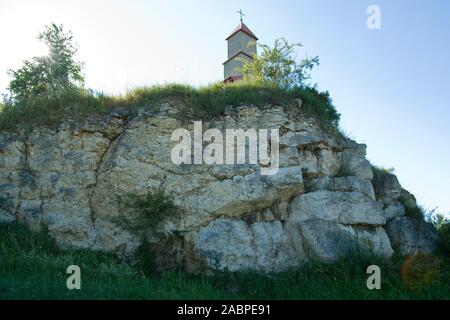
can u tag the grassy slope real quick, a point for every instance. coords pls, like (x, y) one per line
(201, 103)
(31, 267)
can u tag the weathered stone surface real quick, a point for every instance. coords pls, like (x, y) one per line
(394, 210)
(233, 245)
(355, 163)
(69, 180)
(387, 188)
(348, 183)
(328, 241)
(410, 236)
(342, 207)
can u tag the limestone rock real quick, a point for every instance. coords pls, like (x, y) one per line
(355, 163)
(394, 210)
(410, 236)
(348, 183)
(347, 208)
(233, 245)
(328, 241)
(387, 187)
(69, 180)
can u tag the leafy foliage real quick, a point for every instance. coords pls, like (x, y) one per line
(442, 225)
(151, 208)
(412, 210)
(378, 171)
(48, 75)
(278, 65)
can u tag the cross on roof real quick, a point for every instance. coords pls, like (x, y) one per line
(241, 13)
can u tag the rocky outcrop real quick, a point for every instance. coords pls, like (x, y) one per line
(320, 204)
(410, 236)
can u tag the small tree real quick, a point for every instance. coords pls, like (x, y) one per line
(278, 65)
(48, 75)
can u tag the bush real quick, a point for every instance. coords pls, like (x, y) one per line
(278, 65)
(151, 208)
(378, 171)
(319, 105)
(442, 225)
(144, 259)
(412, 210)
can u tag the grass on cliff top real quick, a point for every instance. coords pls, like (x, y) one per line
(32, 267)
(202, 103)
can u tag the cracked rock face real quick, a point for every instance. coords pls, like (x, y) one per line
(70, 179)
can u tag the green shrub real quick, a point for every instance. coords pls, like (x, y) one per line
(279, 65)
(378, 171)
(412, 210)
(144, 259)
(442, 225)
(319, 105)
(150, 208)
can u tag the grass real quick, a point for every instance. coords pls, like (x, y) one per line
(412, 210)
(32, 267)
(378, 171)
(202, 103)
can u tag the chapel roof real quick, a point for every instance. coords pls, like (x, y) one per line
(242, 27)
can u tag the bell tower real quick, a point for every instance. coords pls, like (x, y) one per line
(241, 46)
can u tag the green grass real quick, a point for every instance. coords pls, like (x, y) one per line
(378, 171)
(32, 267)
(412, 210)
(202, 103)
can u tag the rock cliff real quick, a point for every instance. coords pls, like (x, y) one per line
(323, 201)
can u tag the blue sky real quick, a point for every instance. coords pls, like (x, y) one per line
(392, 85)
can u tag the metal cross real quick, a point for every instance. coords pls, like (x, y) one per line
(241, 13)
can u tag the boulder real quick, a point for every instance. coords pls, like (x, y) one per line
(354, 162)
(235, 246)
(394, 210)
(410, 236)
(349, 184)
(328, 241)
(387, 188)
(347, 208)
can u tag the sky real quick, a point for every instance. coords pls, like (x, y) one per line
(392, 85)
